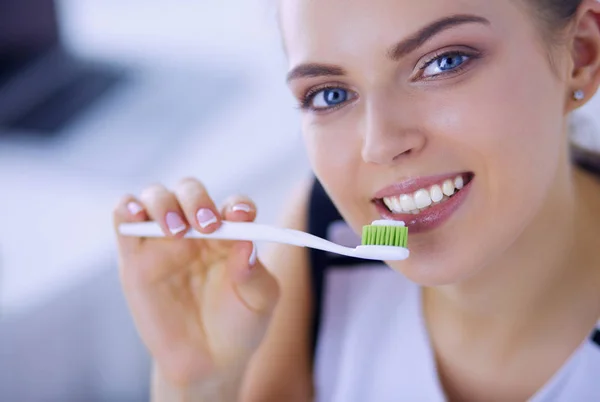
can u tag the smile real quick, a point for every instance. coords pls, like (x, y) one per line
(424, 198)
(424, 203)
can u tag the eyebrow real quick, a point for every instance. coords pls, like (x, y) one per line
(314, 70)
(396, 52)
(417, 40)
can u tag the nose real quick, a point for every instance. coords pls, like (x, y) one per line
(391, 133)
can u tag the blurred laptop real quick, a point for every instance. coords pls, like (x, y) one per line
(103, 116)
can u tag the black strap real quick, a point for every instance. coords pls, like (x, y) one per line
(596, 337)
(587, 160)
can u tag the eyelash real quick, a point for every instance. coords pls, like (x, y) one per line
(309, 96)
(471, 55)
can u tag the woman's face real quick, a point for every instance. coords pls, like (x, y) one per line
(447, 115)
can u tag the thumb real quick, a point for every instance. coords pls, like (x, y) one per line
(253, 283)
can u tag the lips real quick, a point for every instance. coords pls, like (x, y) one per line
(424, 203)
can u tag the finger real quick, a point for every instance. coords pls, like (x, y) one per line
(163, 208)
(198, 207)
(128, 210)
(250, 295)
(254, 285)
(239, 208)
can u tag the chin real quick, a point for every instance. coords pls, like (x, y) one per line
(446, 260)
(428, 272)
(451, 260)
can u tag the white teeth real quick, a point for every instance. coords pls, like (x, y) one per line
(459, 182)
(407, 203)
(436, 193)
(422, 199)
(448, 188)
(396, 204)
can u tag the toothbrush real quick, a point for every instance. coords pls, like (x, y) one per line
(383, 240)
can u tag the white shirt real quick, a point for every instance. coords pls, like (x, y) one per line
(373, 345)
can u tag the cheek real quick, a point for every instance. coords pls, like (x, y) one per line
(333, 151)
(526, 136)
(508, 128)
(508, 123)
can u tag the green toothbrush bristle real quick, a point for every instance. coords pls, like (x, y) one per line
(385, 236)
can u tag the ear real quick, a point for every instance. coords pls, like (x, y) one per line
(585, 53)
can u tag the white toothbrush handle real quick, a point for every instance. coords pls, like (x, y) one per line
(248, 231)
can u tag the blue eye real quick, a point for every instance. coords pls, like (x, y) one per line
(329, 97)
(445, 63)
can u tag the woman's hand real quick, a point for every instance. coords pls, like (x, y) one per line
(202, 306)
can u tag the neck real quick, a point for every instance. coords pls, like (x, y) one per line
(549, 272)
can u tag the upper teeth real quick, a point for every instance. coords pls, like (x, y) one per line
(425, 197)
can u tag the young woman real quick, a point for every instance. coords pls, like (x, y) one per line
(451, 116)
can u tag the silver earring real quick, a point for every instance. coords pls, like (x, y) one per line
(579, 95)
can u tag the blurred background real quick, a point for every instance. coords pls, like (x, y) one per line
(101, 98)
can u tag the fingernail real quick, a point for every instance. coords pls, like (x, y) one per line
(205, 217)
(134, 208)
(175, 223)
(241, 207)
(253, 256)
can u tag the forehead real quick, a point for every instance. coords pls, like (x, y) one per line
(324, 30)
